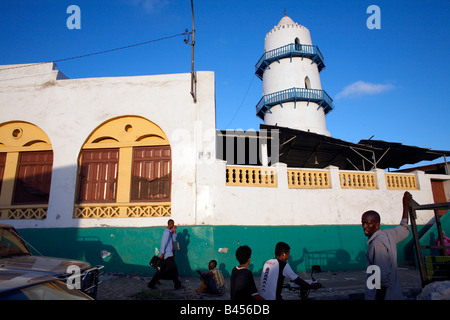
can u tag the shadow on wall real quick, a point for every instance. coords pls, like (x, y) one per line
(66, 243)
(181, 255)
(330, 260)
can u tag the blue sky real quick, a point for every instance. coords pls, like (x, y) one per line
(391, 83)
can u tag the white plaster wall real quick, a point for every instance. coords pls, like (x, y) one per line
(232, 205)
(29, 74)
(69, 110)
(299, 116)
(287, 74)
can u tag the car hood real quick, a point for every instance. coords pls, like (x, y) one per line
(48, 265)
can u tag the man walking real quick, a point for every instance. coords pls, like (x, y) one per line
(169, 271)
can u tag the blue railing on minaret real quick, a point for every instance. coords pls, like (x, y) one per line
(293, 95)
(288, 51)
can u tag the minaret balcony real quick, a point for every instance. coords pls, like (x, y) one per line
(288, 51)
(319, 97)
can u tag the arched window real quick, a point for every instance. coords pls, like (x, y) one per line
(307, 83)
(26, 162)
(125, 171)
(298, 46)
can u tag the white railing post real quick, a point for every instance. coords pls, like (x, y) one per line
(335, 182)
(282, 178)
(380, 179)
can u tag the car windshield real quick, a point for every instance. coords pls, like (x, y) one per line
(11, 244)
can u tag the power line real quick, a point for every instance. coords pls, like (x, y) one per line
(243, 99)
(101, 52)
(121, 48)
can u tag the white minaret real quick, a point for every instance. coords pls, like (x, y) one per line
(292, 92)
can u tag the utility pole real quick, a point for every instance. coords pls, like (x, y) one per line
(193, 78)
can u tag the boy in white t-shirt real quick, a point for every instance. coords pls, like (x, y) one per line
(274, 272)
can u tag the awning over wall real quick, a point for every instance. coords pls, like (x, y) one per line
(395, 155)
(310, 150)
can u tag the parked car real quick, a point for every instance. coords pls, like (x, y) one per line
(15, 255)
(29, 285)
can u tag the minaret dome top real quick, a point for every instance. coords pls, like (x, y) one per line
(285, 20)
(287, 31)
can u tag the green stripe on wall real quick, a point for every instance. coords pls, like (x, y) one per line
(332, 247)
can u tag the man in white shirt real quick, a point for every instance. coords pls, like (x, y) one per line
(382, 252)
(274, 272)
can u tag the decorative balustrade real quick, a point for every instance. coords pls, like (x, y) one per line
(307, 179)
(357, 180)
(125, 210)
(289, 51)
(38, 212)
(251, 176)
(293, 95)
(401, 181)
(315, 179)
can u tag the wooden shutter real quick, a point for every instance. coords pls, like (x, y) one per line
(151, 174)
(98, 175)
(33, 177)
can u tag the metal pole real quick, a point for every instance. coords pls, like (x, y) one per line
(193, 79)
(413, 217)
(445, 165)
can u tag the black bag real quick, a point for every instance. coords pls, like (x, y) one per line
(157, 263)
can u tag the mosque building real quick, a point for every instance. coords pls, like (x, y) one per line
(100, 164)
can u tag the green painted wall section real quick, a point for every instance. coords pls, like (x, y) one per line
(332, 247)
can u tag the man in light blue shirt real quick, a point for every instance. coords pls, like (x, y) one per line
(167, 242)
(169, 270)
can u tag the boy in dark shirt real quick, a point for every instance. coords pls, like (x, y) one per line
(242, 284)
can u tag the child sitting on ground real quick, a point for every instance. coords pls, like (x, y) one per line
(212, 280)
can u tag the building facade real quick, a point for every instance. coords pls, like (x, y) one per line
(100, 164)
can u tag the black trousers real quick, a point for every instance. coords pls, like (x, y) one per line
(168, 272)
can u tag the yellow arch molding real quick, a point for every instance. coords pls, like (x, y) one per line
(126, 131)
(16, 136)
